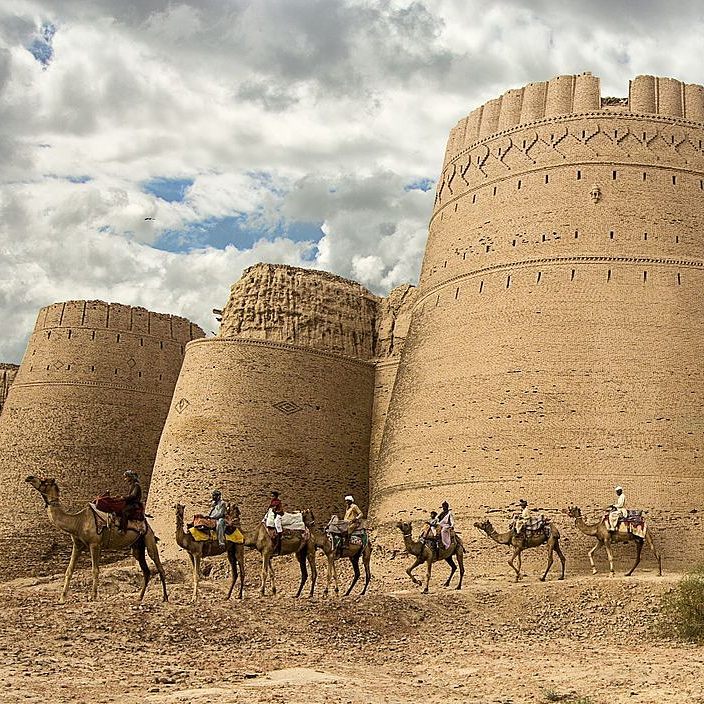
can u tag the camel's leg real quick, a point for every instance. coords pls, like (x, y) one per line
(516, 553)
(651, 545)
(453, 567)
(330, 572)
(520, 562)
(240, 560)
(591, 556)
(153, 552)
(195, 559)
(460, 561)
(551, 548)
(366, 559)
(639, 548)
(560, 554)
(95, 564)
(304, 572)
(75, 552)
(607, 546)
(354, 559)
(232, 559)
(427, 577)
(266, 557)
(409, 571)
(138, 554)
(313, 571)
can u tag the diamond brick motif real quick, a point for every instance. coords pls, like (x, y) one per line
(182, 405)
(58, 364)
(287, 407)
(131, 363)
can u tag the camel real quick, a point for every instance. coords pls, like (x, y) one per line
(351, 551)
(424, 553)
(198, 549)
(525, 541)
(84, 534)
(292, 543)
(605, 537)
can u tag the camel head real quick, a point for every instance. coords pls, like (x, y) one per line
(48, 488)
(180, 508)
(308, 518)
(404, 527)
(574, 512)
(233, 511)
(485, 526)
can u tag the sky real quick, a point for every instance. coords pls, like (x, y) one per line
(151, 150)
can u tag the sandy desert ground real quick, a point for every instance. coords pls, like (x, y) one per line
(587, 639)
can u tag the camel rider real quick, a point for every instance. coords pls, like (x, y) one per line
(429, 533)
(218, 511)
(353, 515)
(276, 510)
(133, 499)
(618, 509)
(446, 523)
(521, 518)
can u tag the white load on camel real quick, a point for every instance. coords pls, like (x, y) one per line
(289, 521)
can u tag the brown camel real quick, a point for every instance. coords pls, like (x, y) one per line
(351, 551)
(198, 549)
(296, 543)
(424, 553)
(524, 541)
(84, 534)
(605, 537)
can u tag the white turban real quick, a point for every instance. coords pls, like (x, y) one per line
(618, 488)
(349, 498)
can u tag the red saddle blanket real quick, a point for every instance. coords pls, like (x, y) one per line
(202, 522)
(116, 504)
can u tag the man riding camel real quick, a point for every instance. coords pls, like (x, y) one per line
(276, 511)
(446, 523)
(353, 515)
(134, 508)
(429, 532)
(617, 510)
(521, 518)
(218, 511)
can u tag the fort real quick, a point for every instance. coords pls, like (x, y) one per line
(551, 350)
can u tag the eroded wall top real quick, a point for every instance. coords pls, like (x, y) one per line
(579, 94)
(8, 372)
(303, 307)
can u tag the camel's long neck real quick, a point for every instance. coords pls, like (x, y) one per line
(61, 519)
(250, 538)
(412, 547)
(586, 528)
(180, 535)
(501, 538)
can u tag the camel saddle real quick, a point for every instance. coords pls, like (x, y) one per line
(537, 524)
(634, 522)
(104, 519)
(204, 523)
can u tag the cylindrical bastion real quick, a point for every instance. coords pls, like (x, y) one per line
(556, 343)
(281, 400)
(89, 402)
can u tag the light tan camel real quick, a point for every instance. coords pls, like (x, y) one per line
(198, 549)
(295, 543)
(525, 541)
(423, 553)
(605, 537)
(353, 552)
(84, 534)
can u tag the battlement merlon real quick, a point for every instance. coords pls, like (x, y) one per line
(578, 94)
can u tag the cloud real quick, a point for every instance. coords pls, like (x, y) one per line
(151, 149)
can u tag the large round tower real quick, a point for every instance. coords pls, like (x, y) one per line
(557, 339)
(89, 401)
(280, 400)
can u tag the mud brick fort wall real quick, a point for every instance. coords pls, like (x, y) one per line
(8, 372)
(557, 338)
(89, 402)
(281, 399)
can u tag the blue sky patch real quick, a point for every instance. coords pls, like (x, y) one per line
(233, 230)
(421, 184)
(172, 190)
(41, 48)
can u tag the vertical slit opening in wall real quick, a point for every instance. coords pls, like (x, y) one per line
(455, 207)
(645, 176)
(547, 178)
(160, 376)
(457, 293)
(537, 277)
(474, 198)
(141, 342)
(92, 336)
(677, 239)
(579, 175)
(611, 234)
(544, 236)
(488, 248)
(701, 184)
(139, 374)
(679, 278)
(47, 367)
(116, 371)
(674, 180)
(613, 175)
(69, 334)
(118, 336)
(608, 276)
(92, 367)
(576, 234)
(645, 136)
(572, 275)
(513, 244)
(645, 276)
(161, 344)
(68, 367)
(645, 235)
(494, 190)
(444, 264)
(464, 255)
(481, 286)
(508, 281)
(519, 185)
(48, 335)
